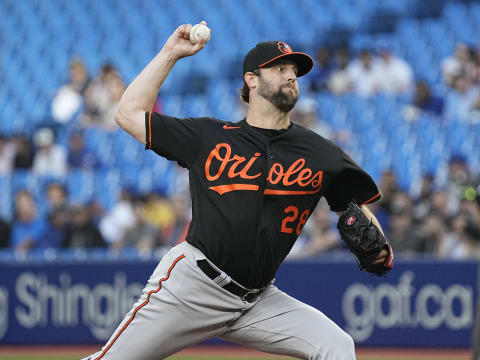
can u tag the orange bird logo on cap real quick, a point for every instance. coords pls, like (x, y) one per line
(284, 47)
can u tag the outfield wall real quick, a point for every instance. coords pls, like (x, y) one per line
(427, 303)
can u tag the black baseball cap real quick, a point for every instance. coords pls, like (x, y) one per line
(265, 53)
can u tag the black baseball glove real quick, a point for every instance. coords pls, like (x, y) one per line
(365, 240)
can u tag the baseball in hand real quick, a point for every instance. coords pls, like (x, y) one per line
(199, 31)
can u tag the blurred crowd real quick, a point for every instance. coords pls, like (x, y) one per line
(461, 72)
(370, 73)
(440, 221)
(43, 156)
(380, 71)
(437, 220)
(95, 98)
(461, 100)
(144, 222)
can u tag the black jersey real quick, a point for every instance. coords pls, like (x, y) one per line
(253, 191)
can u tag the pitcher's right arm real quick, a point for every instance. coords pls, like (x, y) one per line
(140, 95)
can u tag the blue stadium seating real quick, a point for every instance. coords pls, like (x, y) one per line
(39, 38)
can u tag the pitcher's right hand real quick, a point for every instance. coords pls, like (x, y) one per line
(179, 45)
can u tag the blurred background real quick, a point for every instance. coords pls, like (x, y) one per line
(395, 84)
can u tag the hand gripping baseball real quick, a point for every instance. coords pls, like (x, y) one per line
(365, 241)
(179, 43)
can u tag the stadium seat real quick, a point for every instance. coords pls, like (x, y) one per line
(40, 37)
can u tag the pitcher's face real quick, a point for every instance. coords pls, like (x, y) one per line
(278, 84)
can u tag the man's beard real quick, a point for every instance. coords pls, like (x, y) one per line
(282, 100)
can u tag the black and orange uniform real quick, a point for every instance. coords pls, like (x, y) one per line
(254, 189)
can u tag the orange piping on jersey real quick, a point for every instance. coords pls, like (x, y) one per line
(371, 199)
(289, 192)
(140, 306)
(230, 127)
(222, 189)
(150, 130)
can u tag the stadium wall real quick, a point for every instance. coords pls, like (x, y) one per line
(427, 303)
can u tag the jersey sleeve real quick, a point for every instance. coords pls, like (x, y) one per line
(350, 182)
(173, 138)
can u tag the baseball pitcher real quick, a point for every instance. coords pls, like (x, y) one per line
(254, 184)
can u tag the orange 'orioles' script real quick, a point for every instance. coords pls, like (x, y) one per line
(236, 166)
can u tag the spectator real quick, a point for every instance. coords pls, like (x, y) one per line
(423, 101)
(422, 202)
(28, 228)
(158, 210)
(97, 94)
(179, 183)
(461, 102)
(458, 171)
(319, 235)
(96, 210)
(459, 65)
(4, 234)
(57, 197)
(426, 188)
(24, 153)
(401, 230)
(101, 96)
(471, 211)
(305, 114)
(321, 72)
(431, 234)
(142, 235)
(79, 78)
(118, 220)
(460, 242)
(363, 74)
(78, 155)
(83, 233)
(69, 97)
(476, 61)
(475, 109)
(389, 188)
(395, 76)
(470, 205)
(339, 81)
(50, 158)
(177, 231)
(107, 118)
(459, 178)
(58, 214)
(441, 203)
(7, 156)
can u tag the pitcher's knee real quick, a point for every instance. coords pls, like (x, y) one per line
(337, 347)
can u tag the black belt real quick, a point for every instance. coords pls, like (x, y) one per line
(245, 294)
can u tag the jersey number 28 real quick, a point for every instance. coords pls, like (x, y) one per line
(292, 212)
